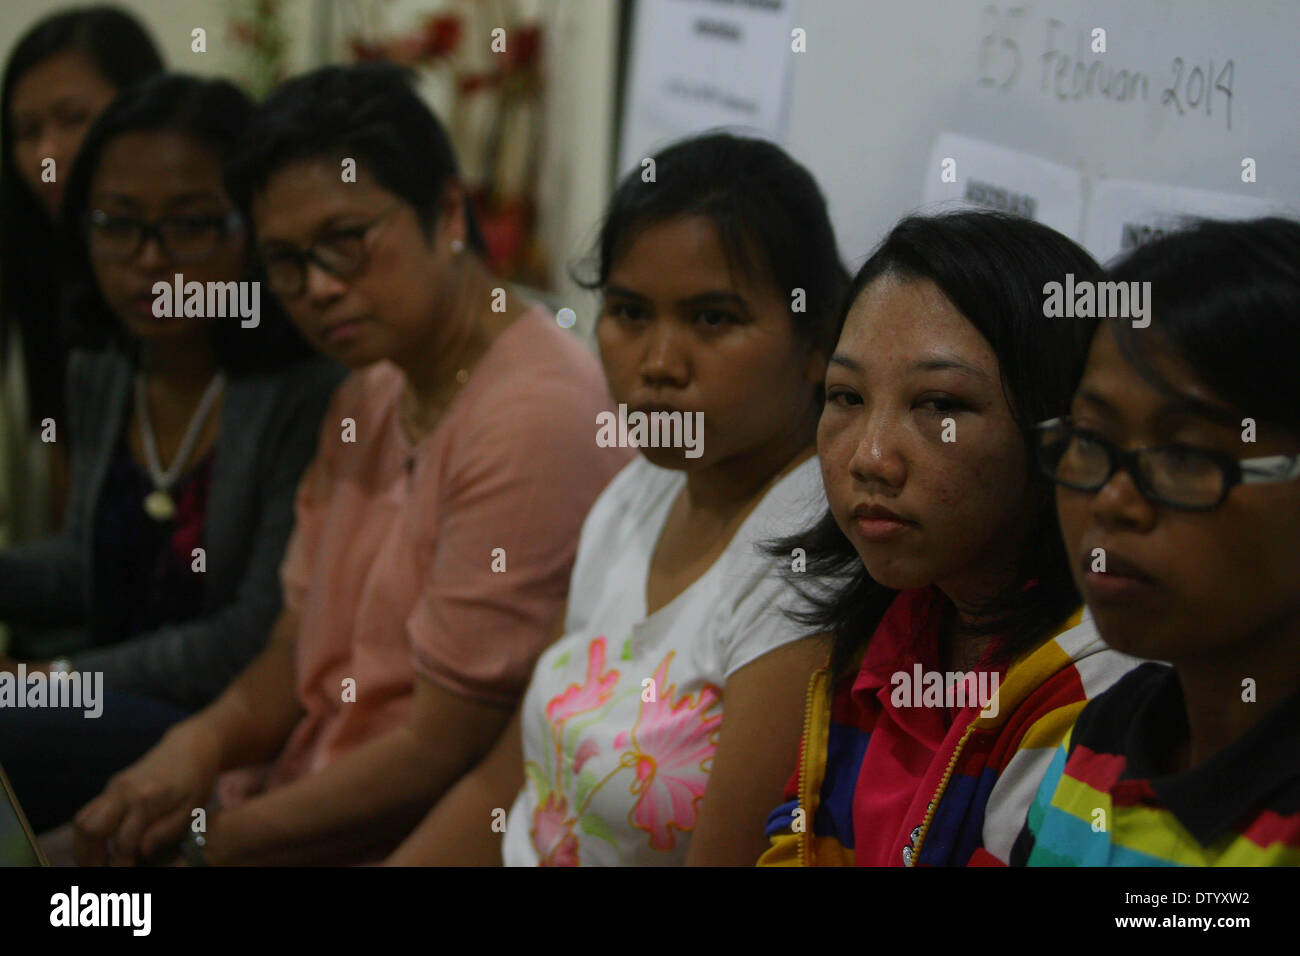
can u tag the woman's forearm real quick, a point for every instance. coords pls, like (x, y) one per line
(466, 827)
(254, 716)
(358, 807)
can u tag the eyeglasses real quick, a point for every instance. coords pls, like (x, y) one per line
(113, 238)
(1178, 476)
(342, 253)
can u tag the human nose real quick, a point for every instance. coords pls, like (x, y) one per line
(60, 144)
(319, 284)
(664, 360)
(50, 146)
(878, 455)
(1120, 503)
(152, 255)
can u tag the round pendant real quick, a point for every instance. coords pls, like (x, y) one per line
(159, 506)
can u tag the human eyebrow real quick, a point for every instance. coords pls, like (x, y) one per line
(1187, 407)
(190, 198)
(947, 363)
(1168, 416)
(345, 221)
(622, 292)
(324, 229)
(72, 101)
(716, 297)
(839, 358)
(120, 199)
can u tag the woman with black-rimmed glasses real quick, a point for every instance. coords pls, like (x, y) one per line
(1180, 513)
(435, 528)
(188, 434)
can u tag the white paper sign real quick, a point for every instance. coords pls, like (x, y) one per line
(700, 64)
(972, 173)
(1123, 214)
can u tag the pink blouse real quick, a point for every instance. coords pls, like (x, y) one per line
(449, 558)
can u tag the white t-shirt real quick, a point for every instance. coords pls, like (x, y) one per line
(616, 765)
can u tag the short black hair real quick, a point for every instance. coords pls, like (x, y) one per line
(1226, 299)
(216, 114)
(122, 51)
(992, 267)
(368, 112)
(770, 215)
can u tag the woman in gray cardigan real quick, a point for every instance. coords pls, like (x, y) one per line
(188, 430)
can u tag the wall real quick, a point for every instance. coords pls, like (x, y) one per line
(881, 78)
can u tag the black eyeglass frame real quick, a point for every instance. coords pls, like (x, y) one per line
(302, 257)
(1235, 471)
(227, 225)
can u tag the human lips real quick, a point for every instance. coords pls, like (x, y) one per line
(651, 408)
(142, 303)
(877, 523)
(337, 332)
(1122, 581)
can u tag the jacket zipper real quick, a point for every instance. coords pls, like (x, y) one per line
(1074, 620)
(934, 800)
(805, 847)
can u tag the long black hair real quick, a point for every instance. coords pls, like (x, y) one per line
(1226, 300)
(769, 213)
(216, 114)
(992, 267)
(29, 289)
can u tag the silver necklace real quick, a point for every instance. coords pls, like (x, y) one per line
(158, 504)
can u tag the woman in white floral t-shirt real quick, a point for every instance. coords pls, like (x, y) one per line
(721, 282)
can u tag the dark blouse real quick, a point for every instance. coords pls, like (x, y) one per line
(145, 566)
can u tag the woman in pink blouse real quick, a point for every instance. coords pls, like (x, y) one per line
(436, 526)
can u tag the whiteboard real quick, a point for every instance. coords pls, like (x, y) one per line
(880, 80)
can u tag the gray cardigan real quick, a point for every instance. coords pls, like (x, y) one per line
(269, 426)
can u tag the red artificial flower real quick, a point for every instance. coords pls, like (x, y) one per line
(441, 35)
(473, 82)
(525, 46)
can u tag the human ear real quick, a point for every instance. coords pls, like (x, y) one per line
(452, 227)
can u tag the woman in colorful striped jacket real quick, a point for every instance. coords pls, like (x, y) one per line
(959, 652)
(1179, 462)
